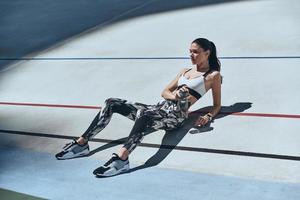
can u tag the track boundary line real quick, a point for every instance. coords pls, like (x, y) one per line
(145, 58)
(151, 145)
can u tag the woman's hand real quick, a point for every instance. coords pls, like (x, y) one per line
(183, 89)
(203, 120)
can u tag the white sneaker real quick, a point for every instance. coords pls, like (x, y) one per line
(73, 150)
(114, 166)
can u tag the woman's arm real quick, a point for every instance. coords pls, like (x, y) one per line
(167, 93)
(216, 94)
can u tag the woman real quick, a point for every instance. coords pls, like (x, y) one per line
(188, 87)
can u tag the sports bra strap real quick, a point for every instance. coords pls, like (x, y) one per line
(204, 75)
(187, 71)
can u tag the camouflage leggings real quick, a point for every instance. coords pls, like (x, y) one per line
(163, 116)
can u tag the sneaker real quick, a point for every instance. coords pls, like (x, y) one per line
(114, 166)
(73, 150)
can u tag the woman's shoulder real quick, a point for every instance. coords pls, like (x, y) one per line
(215, 75)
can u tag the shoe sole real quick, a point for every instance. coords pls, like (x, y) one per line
(117, 173)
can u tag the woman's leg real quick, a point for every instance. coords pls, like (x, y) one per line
(120, 163)
(136, 135)
(149, 119)
(113, 105)
(80, 147)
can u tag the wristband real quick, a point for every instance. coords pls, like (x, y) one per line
(209, 115)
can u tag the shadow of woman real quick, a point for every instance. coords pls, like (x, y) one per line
(172, 138)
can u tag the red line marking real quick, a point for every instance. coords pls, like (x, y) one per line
(99, 107)
(50, 105)
(264, 115)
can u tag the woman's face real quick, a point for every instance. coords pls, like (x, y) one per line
(198, 55)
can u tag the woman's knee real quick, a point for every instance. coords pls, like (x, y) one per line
(142, 122)
(114, 102)
(120, 106)
(142, 113)
(110, 101)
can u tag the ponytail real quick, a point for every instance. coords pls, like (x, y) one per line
(214, 62)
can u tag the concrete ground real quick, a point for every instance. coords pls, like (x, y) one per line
(250, 151)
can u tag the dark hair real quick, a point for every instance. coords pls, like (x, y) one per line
(214, 63)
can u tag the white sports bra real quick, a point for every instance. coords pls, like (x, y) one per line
(196, 86)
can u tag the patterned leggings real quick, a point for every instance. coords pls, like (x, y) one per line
(163, 116)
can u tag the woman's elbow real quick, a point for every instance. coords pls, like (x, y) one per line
(163, 94)
(217, 107)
